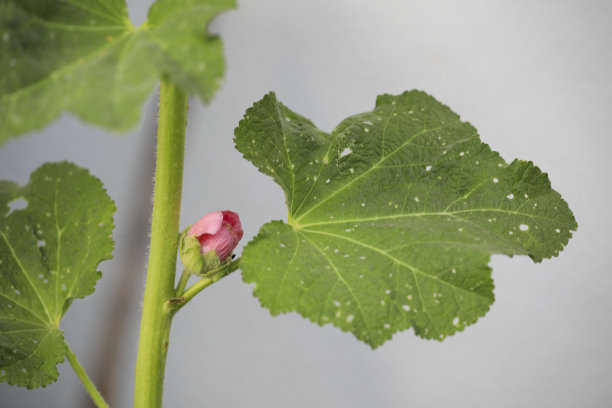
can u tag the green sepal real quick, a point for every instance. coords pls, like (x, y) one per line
(189, 251)
(191, 257)
(211, 262)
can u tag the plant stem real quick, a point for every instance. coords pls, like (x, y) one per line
(87, 383)
(156, 316)
(180, 288)
(202, 284)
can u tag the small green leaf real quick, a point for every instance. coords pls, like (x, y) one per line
(49, 253)
(85, 57)
(392, 217)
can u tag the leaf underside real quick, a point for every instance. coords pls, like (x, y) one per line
(85, 57)
(393, 217)
(49, 253)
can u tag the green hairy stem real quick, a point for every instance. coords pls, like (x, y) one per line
(156, 316)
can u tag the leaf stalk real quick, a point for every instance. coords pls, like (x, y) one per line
(87, 383)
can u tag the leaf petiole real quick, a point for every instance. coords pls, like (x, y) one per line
(87, 383)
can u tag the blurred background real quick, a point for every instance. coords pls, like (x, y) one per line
(535, 80)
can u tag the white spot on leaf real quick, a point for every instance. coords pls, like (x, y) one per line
(346, 152)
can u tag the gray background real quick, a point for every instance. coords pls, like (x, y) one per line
(533, 77)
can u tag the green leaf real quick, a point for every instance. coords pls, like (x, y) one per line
(49, 252)
(392, 217)
(85, 57)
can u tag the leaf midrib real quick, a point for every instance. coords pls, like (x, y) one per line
(425, 214)
(25, 274)
(111, 11)
(393, 259)
(75, 27)
(34, 350)
(53, 75)
(341, 278)
(368, 171)
(58, 253)
(24, 307)
(289, 163)
(282, 282)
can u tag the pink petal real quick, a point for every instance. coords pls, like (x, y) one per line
(208, 224)
(234, 221)
(224, 241)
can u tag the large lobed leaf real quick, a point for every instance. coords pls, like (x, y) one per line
(49, 253)
(392, 217)
(85, 57)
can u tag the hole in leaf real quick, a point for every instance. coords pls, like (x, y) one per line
(346, 151)
(18, 204)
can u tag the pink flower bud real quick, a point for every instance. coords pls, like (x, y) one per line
(218, 230)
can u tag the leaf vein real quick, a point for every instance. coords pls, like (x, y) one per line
(280, 286)
(392, 258)
(371, 169)
(25, 274)
(341, 278)
(23, 307)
